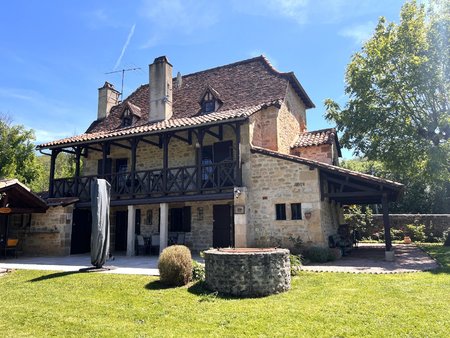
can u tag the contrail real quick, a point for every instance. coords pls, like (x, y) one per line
(124, 48)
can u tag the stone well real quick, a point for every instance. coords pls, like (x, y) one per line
(248, 272)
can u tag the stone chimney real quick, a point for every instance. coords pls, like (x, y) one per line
(108, 97)
(160, 90)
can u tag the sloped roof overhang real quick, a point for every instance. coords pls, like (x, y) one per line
(342, 185)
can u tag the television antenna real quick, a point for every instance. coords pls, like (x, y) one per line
(123, 76)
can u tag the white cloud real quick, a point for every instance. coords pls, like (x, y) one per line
(359, 33)
(124, 48)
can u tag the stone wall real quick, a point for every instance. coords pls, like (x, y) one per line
(322, 153)
(277, 181)
(264, 273)
(151, 157)
(198, 239)
(48, 234)
(263, 128)
(291, 121)
(435, 224)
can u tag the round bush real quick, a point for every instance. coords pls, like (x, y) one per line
(317, 254)
(175, 265)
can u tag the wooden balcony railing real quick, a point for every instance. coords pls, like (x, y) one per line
(214, 177)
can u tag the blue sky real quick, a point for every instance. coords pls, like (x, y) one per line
(54, 54)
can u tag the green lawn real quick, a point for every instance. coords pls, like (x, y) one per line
(36, 303)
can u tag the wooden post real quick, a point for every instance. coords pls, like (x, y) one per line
(51, 185)
(104, 158)
(77, 169)
(387, 226)
(134, 143)
(166, 139)
(199, 150)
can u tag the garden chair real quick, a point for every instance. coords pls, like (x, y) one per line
(141, 247)
(11, 246)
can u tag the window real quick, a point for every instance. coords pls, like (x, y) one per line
(296, 210)
(208, 103)
(280, 210)
(127, 119)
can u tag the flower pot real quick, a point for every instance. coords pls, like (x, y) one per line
(407, 240)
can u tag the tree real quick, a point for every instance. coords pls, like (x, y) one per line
(398, 96)
(17, 156)
(419, 196)
(64, 167)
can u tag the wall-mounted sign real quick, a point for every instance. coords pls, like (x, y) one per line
(5, 210)
(239, 209)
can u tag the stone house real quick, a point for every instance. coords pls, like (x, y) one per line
(219, 158)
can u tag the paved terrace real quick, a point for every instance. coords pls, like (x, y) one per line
(367, 258)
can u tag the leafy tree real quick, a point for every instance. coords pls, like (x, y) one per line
(64, 167)
(419, 195)
(398, 107)
(17, 156)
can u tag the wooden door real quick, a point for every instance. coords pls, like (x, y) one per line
(121, 230)
(222, 226)
(81, 231)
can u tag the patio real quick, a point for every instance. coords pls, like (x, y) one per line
(367, 258)
(370, 258)
(136, 265)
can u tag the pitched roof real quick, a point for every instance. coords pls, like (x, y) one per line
(242, 86)
(20, 197)
(171, 124)
(317, 138)
(395, 187)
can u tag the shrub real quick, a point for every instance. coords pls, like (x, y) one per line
(317, 254)
(296, 263)
(415, 231)
(175, 265)
(396, 235)
(361, 219)
(334, 254)
(198, 271)
(297, 243)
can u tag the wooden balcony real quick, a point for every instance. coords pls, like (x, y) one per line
(178, 181)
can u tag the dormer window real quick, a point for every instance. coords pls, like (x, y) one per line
(127, 118)
(209, 101)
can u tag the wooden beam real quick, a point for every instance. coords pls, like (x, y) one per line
(93, 148)
(188, 140)
(353, 194)
(121, 145)
(349, 184)
(218, 135)
(159, 144)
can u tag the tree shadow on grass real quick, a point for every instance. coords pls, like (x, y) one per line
(68, 273)
(54, 275)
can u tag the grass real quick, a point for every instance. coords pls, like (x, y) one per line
(37, 303)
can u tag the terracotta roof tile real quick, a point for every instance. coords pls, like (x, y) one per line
(242, 86)
(162, 125)
(315, 138)
(328, 167)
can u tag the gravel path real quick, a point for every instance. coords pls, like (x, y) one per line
(369, 258)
